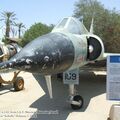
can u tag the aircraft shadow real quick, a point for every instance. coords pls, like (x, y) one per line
(6, 89)
(91, 85)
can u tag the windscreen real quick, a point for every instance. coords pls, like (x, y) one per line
(71, 25)
(62, 23)
(76, 27)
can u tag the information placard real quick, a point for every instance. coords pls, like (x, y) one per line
(113, 77)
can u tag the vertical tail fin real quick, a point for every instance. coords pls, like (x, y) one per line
(91, 26)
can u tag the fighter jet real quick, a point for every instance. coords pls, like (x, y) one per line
(67, 48)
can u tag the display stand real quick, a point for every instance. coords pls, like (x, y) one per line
(113, 85)
(114, 113)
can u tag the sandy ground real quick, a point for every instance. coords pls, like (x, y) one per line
(33, 102)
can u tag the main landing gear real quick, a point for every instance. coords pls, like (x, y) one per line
(18, 82)
(75, 100)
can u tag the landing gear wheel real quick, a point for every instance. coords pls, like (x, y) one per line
(78, 99)
(18, 84)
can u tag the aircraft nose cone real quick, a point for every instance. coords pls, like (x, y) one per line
(48, 54)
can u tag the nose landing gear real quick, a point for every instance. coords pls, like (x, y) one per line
(76, 101)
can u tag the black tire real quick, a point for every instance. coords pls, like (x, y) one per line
(77, 98)
(19, 84)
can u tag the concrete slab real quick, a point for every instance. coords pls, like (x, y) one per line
(34, 103)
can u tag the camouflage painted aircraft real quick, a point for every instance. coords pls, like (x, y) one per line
(64, 50)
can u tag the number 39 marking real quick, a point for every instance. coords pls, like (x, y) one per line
(70, 76)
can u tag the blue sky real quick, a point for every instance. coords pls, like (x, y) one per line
(45, 11)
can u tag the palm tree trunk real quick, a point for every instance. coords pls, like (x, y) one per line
(7, 32)
(19, 33)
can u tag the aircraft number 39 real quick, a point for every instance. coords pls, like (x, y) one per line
(70, 76)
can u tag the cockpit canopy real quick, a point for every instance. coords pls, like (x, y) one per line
(71, 25)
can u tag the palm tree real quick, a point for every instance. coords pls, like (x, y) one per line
(8, 18)
(20, 27)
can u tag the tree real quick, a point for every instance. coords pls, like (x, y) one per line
(106, 22)
(35, 31)
(8, 18)
(13, 32)
(20, 27)
(86, 9)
